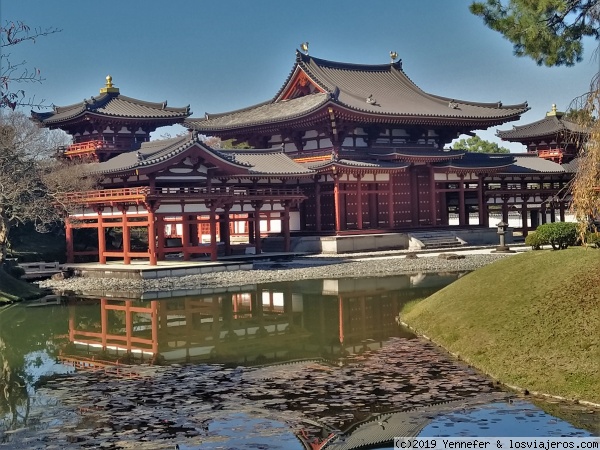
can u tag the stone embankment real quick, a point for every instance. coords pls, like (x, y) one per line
(309, 267)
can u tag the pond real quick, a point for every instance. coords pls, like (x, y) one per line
(307, 364)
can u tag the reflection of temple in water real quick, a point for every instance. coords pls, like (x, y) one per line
(269, 323)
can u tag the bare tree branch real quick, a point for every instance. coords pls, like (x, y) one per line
(11, 34)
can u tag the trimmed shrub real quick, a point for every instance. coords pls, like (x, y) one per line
(534, 241)
(558, 234)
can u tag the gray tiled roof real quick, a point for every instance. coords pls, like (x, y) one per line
(268, 162)
(474, 160)
(354, 164)
(253, 162)
(112, 105)
(417, 152)
(393, 93)
(156, 152)
(383, 90)
(259, 114)
(549, 126)
(572, 166)
(525, 163)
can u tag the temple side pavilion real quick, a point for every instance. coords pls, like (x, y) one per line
(340, 149)
(553, 137)
(185, 194)
(109, 124)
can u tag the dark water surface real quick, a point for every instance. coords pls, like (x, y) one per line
(281, 365)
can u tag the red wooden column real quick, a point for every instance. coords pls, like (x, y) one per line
(337, 202)
(524, 198)
(194, 230)
(481, 203)
(154, 248)
(317, 204)
(414, 196)
(226, 230)
(257, 244)
(69, 240)
(391, 221)
(285, 224)
(251, 233)
(101, 238)
(432, 196)
(543, 211)
(185, 236)
(505, 208)
(159, 236)
(359, 211)
(213, 234)
(443, 209)
(126, 238)
(461, 202)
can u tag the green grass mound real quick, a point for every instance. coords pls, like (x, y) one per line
(12, 290)
(531, 320)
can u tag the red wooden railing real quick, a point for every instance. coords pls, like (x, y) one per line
(106, 195)
(550, 152)
(88, 147)
(555, 153)
(143, 193)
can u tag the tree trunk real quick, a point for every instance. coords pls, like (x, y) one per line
(4, 229)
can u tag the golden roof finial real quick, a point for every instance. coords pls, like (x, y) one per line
(393, 56)
(553, 112)
(109, 88)
(304, 47)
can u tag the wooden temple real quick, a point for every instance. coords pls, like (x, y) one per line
(555, 137)
(340, 149)
(109, 124)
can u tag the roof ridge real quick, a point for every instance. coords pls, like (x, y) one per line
(250, 151)
(318, 77)
(208, 116)
(158, 105)
(346, 65)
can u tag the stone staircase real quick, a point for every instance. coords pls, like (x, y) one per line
(419, 240)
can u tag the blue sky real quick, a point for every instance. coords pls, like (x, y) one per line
(222, 55)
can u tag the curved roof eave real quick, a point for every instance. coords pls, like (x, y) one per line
(91, 107)
(315, 67)
(137, 161)
(409, 118)
(342, 164)
(197, 124)
(546, 127)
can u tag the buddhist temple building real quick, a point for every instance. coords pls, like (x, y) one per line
(555, 137)
(109, 124)
(340, 150)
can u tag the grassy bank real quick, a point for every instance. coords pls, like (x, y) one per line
(531, 320)
(12, 290)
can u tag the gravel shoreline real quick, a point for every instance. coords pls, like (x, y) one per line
(300, 268)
